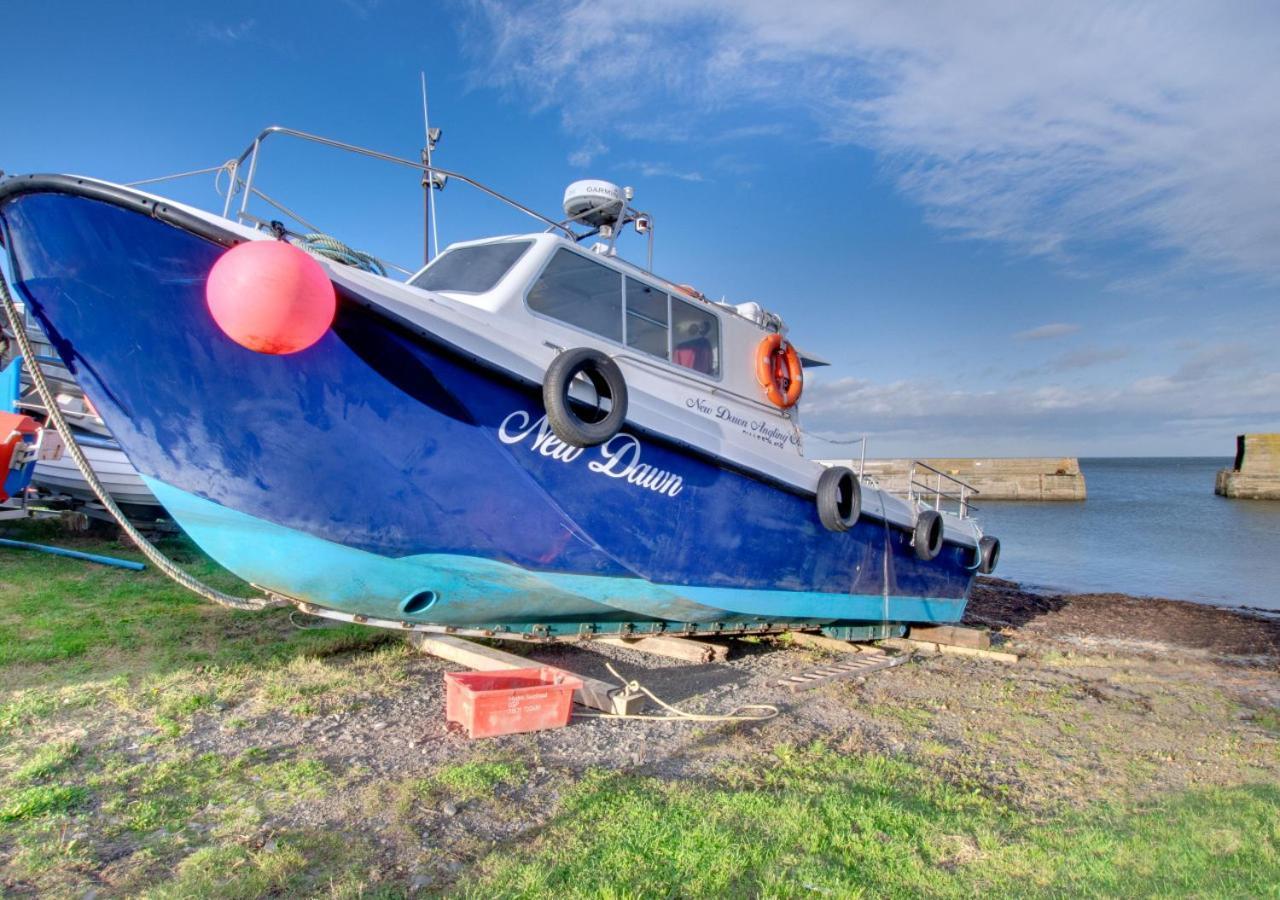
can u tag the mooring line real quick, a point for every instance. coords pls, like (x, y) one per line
(737, 714)
(149, 550)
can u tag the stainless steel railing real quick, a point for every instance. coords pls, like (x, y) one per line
(253, 152)
(957, 491)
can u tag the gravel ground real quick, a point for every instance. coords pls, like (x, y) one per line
(1114, 697)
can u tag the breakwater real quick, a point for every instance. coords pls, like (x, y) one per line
(1256, 473)
(996, 478)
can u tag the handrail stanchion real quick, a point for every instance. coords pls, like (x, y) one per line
(232, 170)
(248, 183)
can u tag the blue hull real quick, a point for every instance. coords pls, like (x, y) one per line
(382, 463)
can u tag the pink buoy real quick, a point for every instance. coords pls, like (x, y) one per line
(270, 297)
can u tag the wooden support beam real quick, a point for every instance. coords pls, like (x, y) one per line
(930, 647)
(822, 642)
(954, 635)
(596, 694)
(668, 645)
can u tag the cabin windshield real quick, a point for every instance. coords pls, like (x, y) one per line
(582, 292)
(471, 270)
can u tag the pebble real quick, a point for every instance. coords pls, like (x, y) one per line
(448, 809)
(378, 726)
(419, 881)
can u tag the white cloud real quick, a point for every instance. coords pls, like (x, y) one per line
(1216, 392)
(1044, 126)
(662, 170)
(1087, 358)
(585, 154)
(227, 33)
(1044, 332)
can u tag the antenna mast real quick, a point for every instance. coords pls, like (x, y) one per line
(430, 183)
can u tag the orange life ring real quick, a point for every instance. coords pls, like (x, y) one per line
(779, 371)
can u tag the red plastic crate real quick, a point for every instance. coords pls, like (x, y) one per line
(493, 703)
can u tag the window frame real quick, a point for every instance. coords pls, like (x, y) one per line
(622, 292)
(718, 356)
(528, 242)
(666, 326)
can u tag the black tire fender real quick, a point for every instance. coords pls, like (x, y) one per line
(988, 554)
(927, 539)
(839, 498)
(605, 377)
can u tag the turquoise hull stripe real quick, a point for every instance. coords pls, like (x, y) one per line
(10, 385)
(476, 592)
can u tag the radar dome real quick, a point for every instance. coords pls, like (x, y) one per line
(594, 202)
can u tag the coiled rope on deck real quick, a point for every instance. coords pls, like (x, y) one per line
(149, 550)
(334, 249)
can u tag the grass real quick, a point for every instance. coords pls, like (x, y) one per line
(47, 761)
(477, 778)
(1268, 720)
(111, 682)
(90, 620)
(136, 660)
(29, 803)
(812, 821)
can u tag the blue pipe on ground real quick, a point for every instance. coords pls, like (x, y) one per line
(74, 554)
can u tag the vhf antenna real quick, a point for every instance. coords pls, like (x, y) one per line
(430, 182)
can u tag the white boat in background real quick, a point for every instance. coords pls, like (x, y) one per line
(55, 472)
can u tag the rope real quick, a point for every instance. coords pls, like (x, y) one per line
(149, 550)
(839, 441)
(211, 169)
(337, 251)
(737, 714)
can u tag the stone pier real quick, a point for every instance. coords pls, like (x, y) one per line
(1256, 475)
(996, 478)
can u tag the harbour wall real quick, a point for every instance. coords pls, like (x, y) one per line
(996, 478)
(1256, 474)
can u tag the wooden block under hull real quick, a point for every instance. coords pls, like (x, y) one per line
(672, 647)
(596, 694)
(954, 635)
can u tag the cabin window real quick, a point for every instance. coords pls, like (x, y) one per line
(471, 270)
(646, 318)
(695, 338)
(582, 292)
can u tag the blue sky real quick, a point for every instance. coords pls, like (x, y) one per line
(1014, 229)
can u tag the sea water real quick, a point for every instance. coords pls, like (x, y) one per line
(1151, 527)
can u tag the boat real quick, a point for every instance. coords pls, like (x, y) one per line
(530, 436)
(54, 474)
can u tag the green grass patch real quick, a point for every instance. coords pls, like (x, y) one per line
(63, 620)
(296, 864)
(477, 778)
(46, 761)
(1268, 719)
(168, 794)
(817, 822)
(29, 803)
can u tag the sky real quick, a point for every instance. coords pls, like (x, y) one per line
(1014, 229)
